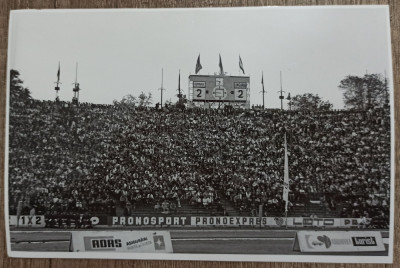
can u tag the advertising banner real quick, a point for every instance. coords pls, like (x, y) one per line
(143, 220)
(28, 221)
(233, 221)
(338, 241)
(275, 222)
(313, 222)
(121, 241)
(351, 222)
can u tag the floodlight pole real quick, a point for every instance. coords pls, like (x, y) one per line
(76, 88)
(290, 103)
(179, 88)
(281, 91)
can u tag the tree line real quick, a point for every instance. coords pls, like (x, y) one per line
(359, 93)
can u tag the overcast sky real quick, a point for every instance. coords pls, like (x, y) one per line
(122, 52)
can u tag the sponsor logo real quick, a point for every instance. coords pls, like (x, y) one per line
(101, 243)
(229, 221)
(318, 241)
(27, 220)
(325, 241)
(367, 241)
(279, 221)
(313, 222)
(137, 243)
(145, 220)
(95, 220)
(159, 243)
(351, 222)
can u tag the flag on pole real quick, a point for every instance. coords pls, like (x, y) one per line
(198, 65)
(241, 64)
(262, 82)
(58, 72)
(221, 68)
(286, 179)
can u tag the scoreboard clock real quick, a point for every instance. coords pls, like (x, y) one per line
(219, 93)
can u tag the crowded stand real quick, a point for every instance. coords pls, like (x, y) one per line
(67, 159)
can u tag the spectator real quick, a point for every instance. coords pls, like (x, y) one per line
(66, 158)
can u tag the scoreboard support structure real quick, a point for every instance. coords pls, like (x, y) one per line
(219, 91)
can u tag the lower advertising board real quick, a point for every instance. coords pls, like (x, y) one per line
(121, 241)
(338, 241)
(28, 221)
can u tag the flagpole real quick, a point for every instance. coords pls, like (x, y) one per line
(281, 96)
(179, 89)
(57, 88)
(162, 78)
(286, 182)
(76, 77)
(263, 90)
(239, 66)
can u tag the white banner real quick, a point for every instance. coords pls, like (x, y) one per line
(122, 241)
(28, 221)
(338, 241)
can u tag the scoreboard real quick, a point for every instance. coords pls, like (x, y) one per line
(219, 88)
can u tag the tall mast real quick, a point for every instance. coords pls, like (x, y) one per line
(162, 81)
(179, 82)
(76, 79)
(263, 91)
(76, 85)
(281, 91)
(76, 74)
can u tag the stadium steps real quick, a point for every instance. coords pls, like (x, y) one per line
(119, 211)
(230, 210)
(319, 210)
(185, 209)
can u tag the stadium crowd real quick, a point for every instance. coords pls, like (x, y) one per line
(65, 158)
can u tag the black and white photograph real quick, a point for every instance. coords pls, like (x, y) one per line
(225, 134)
